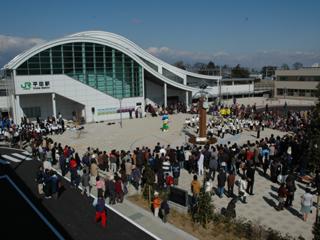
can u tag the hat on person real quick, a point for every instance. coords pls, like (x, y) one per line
(156, 193)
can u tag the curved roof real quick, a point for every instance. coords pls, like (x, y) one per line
(120, 43)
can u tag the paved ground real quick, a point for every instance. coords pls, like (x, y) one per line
(72, 214)
(135, 132)
(139, 132)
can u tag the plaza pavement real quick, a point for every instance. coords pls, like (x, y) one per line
(146, 132)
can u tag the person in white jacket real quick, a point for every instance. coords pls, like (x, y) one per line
(200, 164)
(242, 189)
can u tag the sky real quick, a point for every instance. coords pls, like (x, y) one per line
(249, 32)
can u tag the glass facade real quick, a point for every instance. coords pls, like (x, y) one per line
(101, 67)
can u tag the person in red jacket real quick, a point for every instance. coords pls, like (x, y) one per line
(73, 166)
(169, 180)
(101, 211)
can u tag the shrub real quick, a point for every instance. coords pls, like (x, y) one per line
(203, 210)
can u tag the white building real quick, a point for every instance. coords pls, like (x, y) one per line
(89, 73)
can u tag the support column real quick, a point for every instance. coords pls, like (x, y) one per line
(187, 99)
(165, 94)
(17, 118)
(54, 109)
(14, 108)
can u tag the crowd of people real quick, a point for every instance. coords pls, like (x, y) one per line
(15, 134)
(236, 118)
(222, 165)
(157, 110)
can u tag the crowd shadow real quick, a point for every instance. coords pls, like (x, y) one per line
(270, 201)
(273, 188)
(273, 204)
(261, 173)
(274, 196)
(294, 212)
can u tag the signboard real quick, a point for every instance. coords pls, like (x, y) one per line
(106, 111)
(178, 196)
(35, 85)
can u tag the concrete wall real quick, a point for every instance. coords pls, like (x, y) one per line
(37, 100)
(74, 90)
(172, 92)
(296, 85)
(237, 89)
(154, 92)
(66, 107)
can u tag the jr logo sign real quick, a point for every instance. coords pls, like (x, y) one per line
(26, 85)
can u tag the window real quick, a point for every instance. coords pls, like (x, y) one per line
(280, 91)
(67, 58)
(308, 93)
(56, 60)
(34, 65)
(194, 81)
(171, 76)
(3, 93)
(153, 66)
(226, 83)
(290, 92)
(283, 78)
(45, 62)
(241, 82)
(302, 92)
(78, 63)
